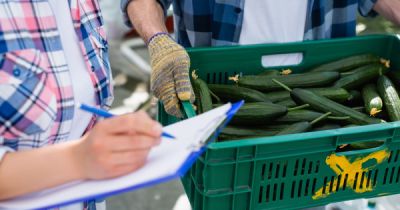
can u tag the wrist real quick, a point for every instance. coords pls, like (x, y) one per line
(76, 159)
(158, 34)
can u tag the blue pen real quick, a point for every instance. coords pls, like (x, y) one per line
(105, 114)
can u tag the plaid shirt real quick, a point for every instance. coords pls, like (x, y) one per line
(36, 96)
(219, 22)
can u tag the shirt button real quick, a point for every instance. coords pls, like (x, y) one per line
(238, 10)
(92, 67)
(16, 72)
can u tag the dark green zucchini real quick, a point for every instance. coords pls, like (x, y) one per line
(288, 103)
(360, 76)
(395, 77)
(337, 94)
(347, 63)
(372, 101)
(365, 145)
(304, 115)
(355, 99)
(202, 93)
(233, 93)
(258, 113)
(359, 109)
(327, 126)
(324, 104)
(238, 132)
(265, 83)
(390, 97)
(303, 126)
(271, 72)
(297, 116)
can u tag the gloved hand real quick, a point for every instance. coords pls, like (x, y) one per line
(170, 73)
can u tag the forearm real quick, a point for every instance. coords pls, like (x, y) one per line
(147, 16)
(390, 9)
(29, 171)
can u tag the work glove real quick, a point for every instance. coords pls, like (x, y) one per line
(169, 79)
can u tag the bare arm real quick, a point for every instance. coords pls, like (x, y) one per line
(390, 9)
(29, 171)
(147, 16)
(107, 151)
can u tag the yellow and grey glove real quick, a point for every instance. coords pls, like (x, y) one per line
(170, 73)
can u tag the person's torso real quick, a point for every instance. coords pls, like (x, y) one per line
(36, 97)
(219, 22)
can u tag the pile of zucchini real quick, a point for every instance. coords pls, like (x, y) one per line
(357, 90)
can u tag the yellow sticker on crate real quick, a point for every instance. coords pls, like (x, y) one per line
(342, 166)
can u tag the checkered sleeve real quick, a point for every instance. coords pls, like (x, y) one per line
(365, 7)
(124, 4)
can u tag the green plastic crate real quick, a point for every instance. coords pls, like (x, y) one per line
(292, 171)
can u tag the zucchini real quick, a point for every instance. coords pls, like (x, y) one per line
(372, 101)
(304, 115)
(360, 76)
(303, 126)
(232, 93)
(265, 83)
(328, 126)
(359, 109)
(324, 104)
(395, 77)
(287, 103)
(271, 72)
(258, 113)
(365, 145)
(337, 94)
(237, 132)
(202, 94)
(297, 116)
(347, 63)
(355, 99)
(390, 97)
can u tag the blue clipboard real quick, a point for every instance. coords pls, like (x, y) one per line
(179, 173)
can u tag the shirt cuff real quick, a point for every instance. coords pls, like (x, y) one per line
(4, 150)
(365, 7)
(124, 5)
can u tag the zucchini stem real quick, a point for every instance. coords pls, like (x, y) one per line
(299, 107)
(320, 118)
(338, 118)
(215, 96)
(343, 74)
(282, 85)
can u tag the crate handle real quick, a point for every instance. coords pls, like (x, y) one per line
(188, 109)
(383, 146)
(271, 60)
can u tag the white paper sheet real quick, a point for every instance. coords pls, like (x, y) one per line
(164, 161)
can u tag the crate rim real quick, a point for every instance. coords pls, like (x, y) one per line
(254, 46)
(334, 133)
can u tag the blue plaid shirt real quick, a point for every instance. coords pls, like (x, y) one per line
(219, 22)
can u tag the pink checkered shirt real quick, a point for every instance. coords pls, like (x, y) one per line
(36, 96)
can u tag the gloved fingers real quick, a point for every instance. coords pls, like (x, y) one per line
(171, 105)
(181, 78)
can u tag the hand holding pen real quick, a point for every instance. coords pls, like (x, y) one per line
(116, 146)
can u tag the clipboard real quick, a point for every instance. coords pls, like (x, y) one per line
(170, 160)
